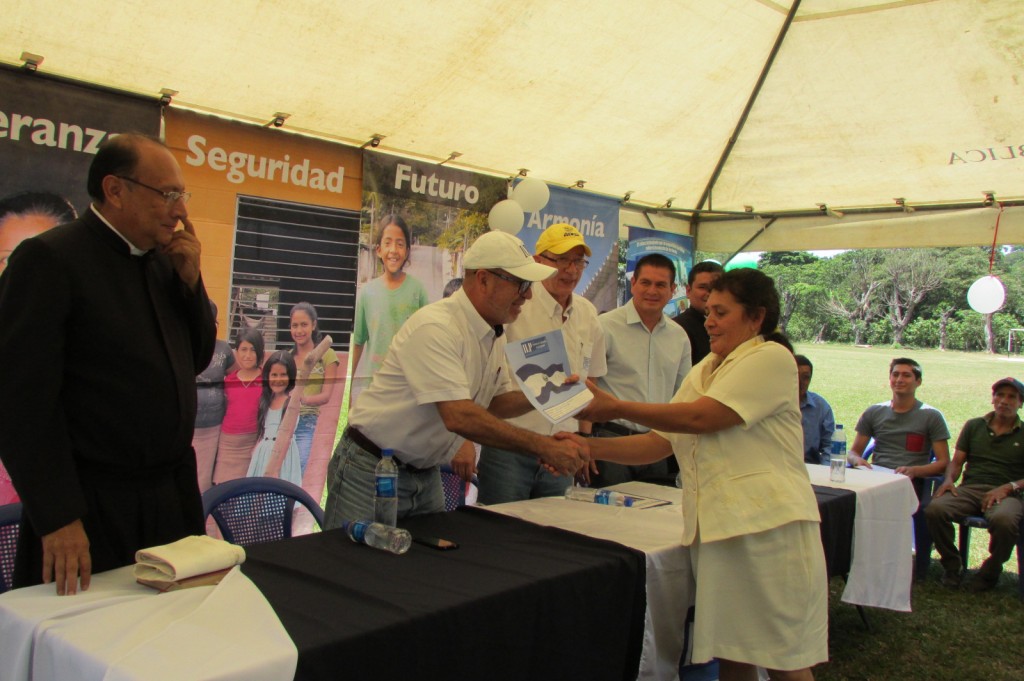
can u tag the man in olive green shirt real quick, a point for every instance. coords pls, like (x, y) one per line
(992, 447)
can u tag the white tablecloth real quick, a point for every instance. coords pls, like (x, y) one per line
(881, 569)
(119, 630)
(655, 531)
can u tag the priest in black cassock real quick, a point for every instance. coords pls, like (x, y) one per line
(104, 324)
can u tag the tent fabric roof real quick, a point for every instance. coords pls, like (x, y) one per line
(865, 101)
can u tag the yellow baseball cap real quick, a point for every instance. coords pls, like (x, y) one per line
(559, 238)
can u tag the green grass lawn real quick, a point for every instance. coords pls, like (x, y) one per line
(949, 634)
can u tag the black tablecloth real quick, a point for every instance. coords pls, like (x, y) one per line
(837, 508)
(515, 601)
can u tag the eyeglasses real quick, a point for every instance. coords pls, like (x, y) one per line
(523, 284)
(169, 197)
(565, 263)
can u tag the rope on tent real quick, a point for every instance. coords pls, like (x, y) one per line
(992, 253)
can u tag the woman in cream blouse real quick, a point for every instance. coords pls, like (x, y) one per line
(749, 514)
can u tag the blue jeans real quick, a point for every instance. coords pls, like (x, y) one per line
(350, 487)
(304, 429)
(509, 476)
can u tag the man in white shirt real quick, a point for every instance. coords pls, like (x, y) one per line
(444, 381)
(554, 305)
(648, 355)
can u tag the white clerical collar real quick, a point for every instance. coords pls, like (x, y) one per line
(131, 246)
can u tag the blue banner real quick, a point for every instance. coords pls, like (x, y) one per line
(597, 218)
(676, 247)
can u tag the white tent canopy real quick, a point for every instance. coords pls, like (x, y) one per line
(864, 102)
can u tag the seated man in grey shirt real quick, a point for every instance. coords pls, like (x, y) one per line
(906, 431)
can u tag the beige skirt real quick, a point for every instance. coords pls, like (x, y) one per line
(205, 441)
(233, 455)
(762, 599)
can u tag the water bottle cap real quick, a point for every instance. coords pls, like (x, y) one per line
(628, 501)
(387, 452)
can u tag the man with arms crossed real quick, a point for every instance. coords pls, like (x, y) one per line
(105, 322)
(647, 355)
(992, 448)
(444, 381)
(553, 306)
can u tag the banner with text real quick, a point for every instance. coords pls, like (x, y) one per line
(278, 216)
(50, 131)
(418, 219)
(597, 219)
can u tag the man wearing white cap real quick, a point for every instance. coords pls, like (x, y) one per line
(444, 381)
(554, 305)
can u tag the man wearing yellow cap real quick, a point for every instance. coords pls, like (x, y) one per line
(554, 305)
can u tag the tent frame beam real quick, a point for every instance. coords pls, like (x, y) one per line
(705, 197)
(732, 215)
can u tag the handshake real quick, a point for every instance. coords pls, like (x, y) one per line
(568, 454)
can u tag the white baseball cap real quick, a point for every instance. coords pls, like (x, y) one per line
(500, 250)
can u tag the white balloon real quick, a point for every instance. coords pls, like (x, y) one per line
(532, 194)
(986, 295)
(506, 216)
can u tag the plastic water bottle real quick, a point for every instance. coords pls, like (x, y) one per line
(838, 445)
(385, 499)
(598, 496)
(393, 539)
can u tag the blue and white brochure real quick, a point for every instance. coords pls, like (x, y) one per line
(540, 366)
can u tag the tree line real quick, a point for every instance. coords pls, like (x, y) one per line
(900, 297)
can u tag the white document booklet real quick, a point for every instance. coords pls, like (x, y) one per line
(540, 366)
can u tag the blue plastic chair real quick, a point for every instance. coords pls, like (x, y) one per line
(965, 545)
(707, 671)
(454, 488)
(256, 510)
(10, 528)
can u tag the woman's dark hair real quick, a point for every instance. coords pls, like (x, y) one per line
(754, 290)
(255, 338)
(38, 203)
(311, 313)
(397, 221)
(284, 358)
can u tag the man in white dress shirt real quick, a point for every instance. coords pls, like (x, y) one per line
(648, 355)
(554, 305)
(444, 381)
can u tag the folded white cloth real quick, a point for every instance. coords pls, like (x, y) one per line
(186, 558)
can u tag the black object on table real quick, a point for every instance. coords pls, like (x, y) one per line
(515, 601)
(838, 508)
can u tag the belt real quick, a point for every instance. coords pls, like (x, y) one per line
(617, 429)
(371, 448)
